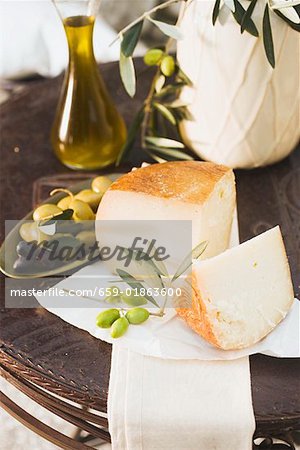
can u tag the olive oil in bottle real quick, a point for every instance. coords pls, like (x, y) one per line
(88, 131)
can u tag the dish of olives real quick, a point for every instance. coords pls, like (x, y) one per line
(64, 221)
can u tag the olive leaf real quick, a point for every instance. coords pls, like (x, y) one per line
(183, 113)
(128, 74)
(247, 15)
(65, 215)
(187, 262)
(177, 103)
(169, 30)
(135, 284)
(290, 16)
(140, 257)
(199, 249)
(239, 15)
(170, 89)
(164, 142)
(165, 112)
(154, 124)
(176, 154)
(143, 258)
(159, 84)
(159, 265)
(156, 157)
(131, 136)
(49, 230)
(180, 110)
(150, 274)
(130, 39)
(268, 37)
(216, 11)
(182, 76)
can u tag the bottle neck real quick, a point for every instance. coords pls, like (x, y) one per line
(79, 31)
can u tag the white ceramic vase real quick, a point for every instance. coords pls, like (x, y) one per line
(245, 113)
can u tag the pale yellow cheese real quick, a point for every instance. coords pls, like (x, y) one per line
(242, 294)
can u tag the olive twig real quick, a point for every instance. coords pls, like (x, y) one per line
(162, 309)
(123, 312)
(143, 16)
(59, 190)
(150, 99)
(159, 314)
(169, 284)
(50, 217)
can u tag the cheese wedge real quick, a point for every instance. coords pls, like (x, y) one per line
(202, 192)
(241, 295)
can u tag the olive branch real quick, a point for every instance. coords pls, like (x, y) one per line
(118, 319)
(161, 108)
(162, 111)
(284, 8)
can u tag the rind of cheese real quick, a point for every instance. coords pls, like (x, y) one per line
(189, 181)
(196, 315)
(241, 295)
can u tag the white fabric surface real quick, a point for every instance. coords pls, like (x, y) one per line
(157, 404)
(32, 40)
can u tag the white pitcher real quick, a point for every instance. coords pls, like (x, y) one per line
(246, 114)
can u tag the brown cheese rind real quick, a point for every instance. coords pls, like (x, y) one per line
(196, 316)
(189, 181)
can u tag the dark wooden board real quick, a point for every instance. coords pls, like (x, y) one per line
(69, 360)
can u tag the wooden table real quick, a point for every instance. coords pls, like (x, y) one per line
(39, 350)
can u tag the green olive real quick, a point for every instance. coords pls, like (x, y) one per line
(106, 318)
(46, 211)
(167, 66)
(89, 196)
(137, 315)
(101, 184)
(153, 57)
(87, 237)
(82, 211)
(29, 231)
(133, 300)
(57, 236)
(64, 203)
(119, 327)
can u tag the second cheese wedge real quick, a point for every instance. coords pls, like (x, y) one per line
(240, 295)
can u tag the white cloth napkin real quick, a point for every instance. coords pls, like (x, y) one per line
(158, 404)
(32, 40)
